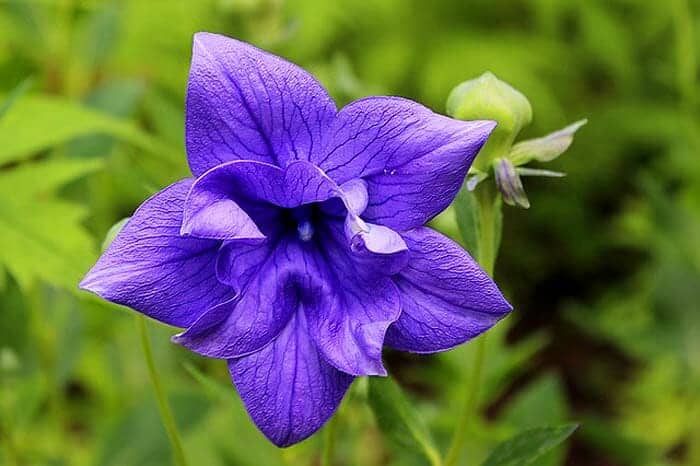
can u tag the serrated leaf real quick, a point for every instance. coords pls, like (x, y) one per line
(527, 446)
(42, 233)
(397, 419)
(35, 123)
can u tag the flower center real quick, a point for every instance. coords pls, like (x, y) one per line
(305, 230)
(303, 217)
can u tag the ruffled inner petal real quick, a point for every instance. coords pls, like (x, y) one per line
(272, 291)
(242, 200)
(349, 325)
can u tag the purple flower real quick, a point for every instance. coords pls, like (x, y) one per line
(297, 250)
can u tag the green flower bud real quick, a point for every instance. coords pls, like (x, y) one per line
(489, 98)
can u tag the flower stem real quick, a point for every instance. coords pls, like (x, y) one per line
(489, 224)
(165, 412)
(489, 233)
(687, 80)
(329, 434)
(686, 60)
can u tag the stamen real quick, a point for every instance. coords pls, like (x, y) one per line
(305, 230)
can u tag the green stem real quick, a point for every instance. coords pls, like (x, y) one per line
(488, 249)
(487, 199)
(329, 434)
(686, 75)
(7, 439)
(165, 413)
(686, 61)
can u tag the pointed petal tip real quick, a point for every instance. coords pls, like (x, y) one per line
(84, 284)
(93, 285)
(490, 125)
(200, 38)
(487, 127)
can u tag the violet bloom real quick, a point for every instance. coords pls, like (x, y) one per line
(297, 250)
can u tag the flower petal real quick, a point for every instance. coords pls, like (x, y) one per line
(236, 200)
(209, 215)
(376, 248)
(414, 160)
(152, 269)
(348, 322)
(246, 104)
(269, 298)
(288, 388)
(352, 199)
(446, 299)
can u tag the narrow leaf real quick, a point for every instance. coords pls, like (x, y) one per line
(524, 171)
(397, 419)
(113, 232)
(211, 387)
(546, 148)
(15, 94)
(467, 212)
(497, 223)
(473, 179)
(529, 445)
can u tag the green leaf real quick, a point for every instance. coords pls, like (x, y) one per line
(525, 171)
(16, 93)
(43, 234)
(527, 446)
(138, 438)
(113, 232)
(211, 387)
(35, 123)
(397, 419)
(497, 223)
(541, 402)
(546, 148)
(467, 212)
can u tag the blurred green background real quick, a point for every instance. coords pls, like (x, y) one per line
(603, 270)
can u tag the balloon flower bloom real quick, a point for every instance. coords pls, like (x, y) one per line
(297, 251)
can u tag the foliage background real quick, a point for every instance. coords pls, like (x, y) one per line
(604, 269)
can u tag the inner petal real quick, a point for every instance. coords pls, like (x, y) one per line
(268, 197)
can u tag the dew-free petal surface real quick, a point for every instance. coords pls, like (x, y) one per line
(152, 269)
(288, 388)
(246, 104)
(271, 296)
(413, 160)
(349, 321)
(446, 298)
